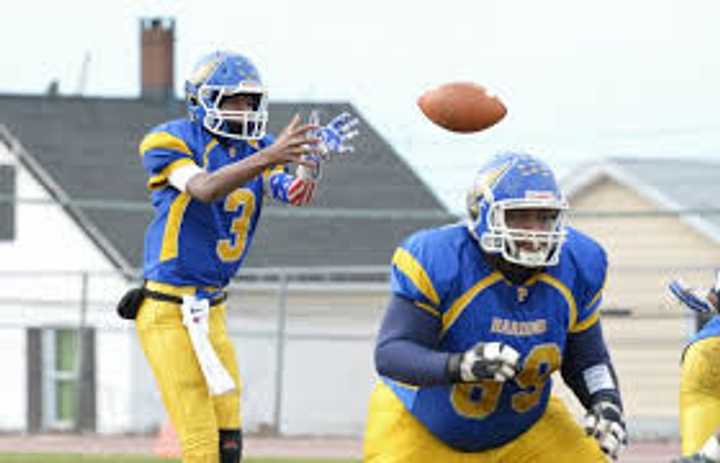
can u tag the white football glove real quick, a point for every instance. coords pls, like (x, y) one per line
(606, 423)
(486, 360)
(693, 298)
(334, 136)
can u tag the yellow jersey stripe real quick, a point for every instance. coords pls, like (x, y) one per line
(206, 154)
(406, 263)
(599, 293)
(163, 140)
(161, 179)
(587, 323)
(462, 302)
(429, 309)
(566, 293)
(171, 235)
(595, 298)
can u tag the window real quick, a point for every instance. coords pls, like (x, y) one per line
(7, 202)
(61, 388)
(61, 384)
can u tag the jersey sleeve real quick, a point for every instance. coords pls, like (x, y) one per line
(420, 274)
(162, 153)
(592, 272)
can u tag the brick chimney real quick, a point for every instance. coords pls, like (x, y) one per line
(157, 58)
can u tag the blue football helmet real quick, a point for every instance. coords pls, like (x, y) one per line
(513, 181)
(221, 75)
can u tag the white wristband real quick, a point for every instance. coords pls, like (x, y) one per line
(597, 378)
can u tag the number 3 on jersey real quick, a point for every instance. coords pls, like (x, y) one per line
(479, 400)
(232, 249)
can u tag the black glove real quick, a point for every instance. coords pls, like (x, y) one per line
(606, 423)
(486, 360)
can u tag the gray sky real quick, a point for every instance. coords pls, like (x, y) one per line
(582, 80)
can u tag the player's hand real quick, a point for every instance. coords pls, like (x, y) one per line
(694, 458)
(693, 298)
(486, 360)
(334, 136)
(606, 423)
(294, 143)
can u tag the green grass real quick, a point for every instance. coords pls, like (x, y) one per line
(75, 458)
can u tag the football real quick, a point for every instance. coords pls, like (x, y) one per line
(463, 107)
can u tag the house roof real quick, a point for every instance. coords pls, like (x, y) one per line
(84, 150)
(688, 186)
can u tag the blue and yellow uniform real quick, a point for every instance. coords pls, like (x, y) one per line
(700, 388)
(190, 242)
(195, 248)
(444, 273)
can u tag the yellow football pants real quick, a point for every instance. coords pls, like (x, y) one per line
(394, 435)
(700, 394)
(195, 414)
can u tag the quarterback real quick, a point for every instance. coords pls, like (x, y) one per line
(480, 316)
(208, 174)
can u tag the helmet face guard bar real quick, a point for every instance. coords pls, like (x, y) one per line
(240, 125)
(511, 243)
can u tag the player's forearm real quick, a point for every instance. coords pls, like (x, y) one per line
(405, 346)
(209, 187)
(411, 363)
(587, 368)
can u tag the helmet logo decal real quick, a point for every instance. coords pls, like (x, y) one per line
(490, 178)
(484, 184)
(204, 71)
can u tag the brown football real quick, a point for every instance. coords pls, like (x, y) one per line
(462, 107)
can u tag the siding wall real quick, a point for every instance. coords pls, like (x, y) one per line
(644, 254)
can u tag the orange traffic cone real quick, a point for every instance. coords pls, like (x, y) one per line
(167, 444)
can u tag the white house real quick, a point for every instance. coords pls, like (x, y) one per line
(73, 210)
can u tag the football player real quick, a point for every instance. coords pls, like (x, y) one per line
(699, 382)
(208, 174)
(481, 314)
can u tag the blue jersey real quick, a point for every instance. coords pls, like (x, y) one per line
(190, 242)
(443, 272)
(709, 330)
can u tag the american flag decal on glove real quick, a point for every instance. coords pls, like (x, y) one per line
(301, 192)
